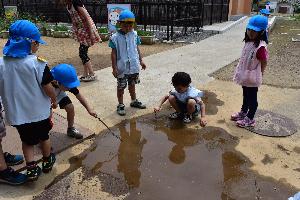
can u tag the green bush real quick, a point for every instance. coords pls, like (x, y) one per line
(144, 33)
(60, 28)
(102, 30)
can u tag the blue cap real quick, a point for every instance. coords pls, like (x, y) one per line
(126, 16)
(21, 33)
(264, 12)
(66, 75)
(258, 23)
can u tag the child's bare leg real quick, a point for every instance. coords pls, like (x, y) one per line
(28, 151)
(70, 114)
(132, 93)
(3, 165)
(46, 148)
(89, 68)
(191, 104)
(120, 93)
(172, 100)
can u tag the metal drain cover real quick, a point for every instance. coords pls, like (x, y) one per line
(273, 124)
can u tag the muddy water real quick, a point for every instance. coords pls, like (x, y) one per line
(161, 159)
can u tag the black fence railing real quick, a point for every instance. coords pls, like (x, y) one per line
(154, 15)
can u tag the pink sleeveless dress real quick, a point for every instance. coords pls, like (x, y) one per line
(248, 71)
(80, 29)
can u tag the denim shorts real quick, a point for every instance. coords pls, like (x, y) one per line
(129, 79)
(183, 107)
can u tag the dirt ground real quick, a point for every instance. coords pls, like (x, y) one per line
(283, 66)
(65, 50)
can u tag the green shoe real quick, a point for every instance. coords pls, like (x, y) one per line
(137, 104)
(48, 163)
(121, 109)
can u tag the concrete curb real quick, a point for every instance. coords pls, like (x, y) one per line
(225, 28)
(272, 23)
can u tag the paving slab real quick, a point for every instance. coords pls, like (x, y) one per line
(59, 139)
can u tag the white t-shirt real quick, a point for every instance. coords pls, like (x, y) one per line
(191, 93)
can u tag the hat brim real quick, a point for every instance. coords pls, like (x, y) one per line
(254, 28)
(73, 84)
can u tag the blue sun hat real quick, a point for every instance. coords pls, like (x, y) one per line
(264, 12)
(126, 16)
(21, 34)
(66, 75)
(258, 23)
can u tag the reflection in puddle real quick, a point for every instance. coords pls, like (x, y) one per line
(163, 160)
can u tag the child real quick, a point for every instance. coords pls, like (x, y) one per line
(25, 88)
(65, 79)
(185, 99)
(7, 174)
(251, 68)
(126, 58)
(85, 32)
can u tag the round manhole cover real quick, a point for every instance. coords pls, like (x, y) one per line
(273, 124)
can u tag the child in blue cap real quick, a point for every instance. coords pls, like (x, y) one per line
(126, 60)
(65, 79)
(27, 94)
(250, 70)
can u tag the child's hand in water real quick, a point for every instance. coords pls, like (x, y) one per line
(203, 121)
(157, 109)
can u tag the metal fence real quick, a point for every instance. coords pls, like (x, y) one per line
(153, 15)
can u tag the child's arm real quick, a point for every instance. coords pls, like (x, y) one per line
(84, 13)
(263, 66)
(161, 102)
(47, 86)
(203, 121)
(114, 62)
(85, 104)
(141, 59)
(49, 90)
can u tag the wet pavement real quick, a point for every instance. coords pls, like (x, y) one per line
(163, 159)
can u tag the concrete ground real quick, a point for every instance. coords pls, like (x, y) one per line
(199, 60)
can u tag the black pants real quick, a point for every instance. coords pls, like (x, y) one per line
(250, 101)
(83, 53)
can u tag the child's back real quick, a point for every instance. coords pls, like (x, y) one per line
(21, 80)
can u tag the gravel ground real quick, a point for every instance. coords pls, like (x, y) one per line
(283, 68)
(65, 50)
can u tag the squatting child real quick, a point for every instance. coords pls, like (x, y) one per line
(185, 99)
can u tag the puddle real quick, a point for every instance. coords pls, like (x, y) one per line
(162, 159)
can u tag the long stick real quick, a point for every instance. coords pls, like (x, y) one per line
(109, 129)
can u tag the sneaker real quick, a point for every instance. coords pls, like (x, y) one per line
(33, 172)
(48, 163)
(13, 159)
(175, 115)
(137, 104)
(74, 133)
(238, 116)
(121, 109)
(246, 122)
(11, 177)
(187, 118)
(88, 78)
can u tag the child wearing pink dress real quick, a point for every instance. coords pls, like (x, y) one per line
(250, 69)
